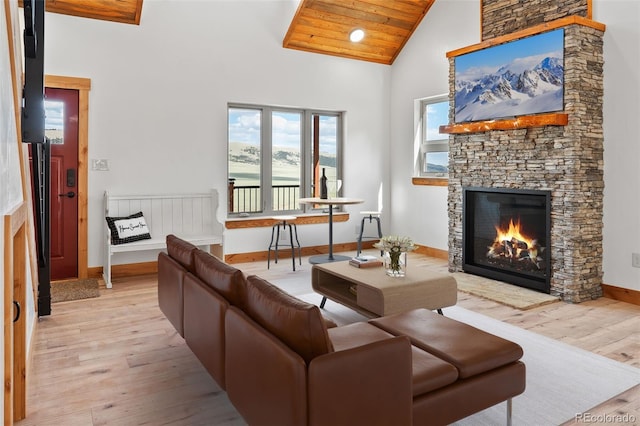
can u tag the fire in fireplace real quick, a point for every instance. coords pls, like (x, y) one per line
(512, 248)
(506, 235)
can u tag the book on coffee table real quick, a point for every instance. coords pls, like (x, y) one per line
(365, 261)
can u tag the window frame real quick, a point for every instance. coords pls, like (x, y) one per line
(306, 148)
(422, 145)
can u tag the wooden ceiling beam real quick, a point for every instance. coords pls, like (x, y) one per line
(367, 15)
(342, 34)
(329, 20)
(342, 47)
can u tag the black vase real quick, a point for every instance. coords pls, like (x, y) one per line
(323, 186)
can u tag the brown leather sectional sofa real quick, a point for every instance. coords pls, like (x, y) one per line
(281, 363)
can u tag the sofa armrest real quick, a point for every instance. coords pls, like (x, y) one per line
(265, 379)
(369, 384)
(170, 294)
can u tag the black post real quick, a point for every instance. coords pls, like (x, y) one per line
(33, 123)
(44, 270)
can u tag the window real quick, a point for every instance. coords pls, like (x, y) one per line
(54, 122)
(433, 150)
(277, 155)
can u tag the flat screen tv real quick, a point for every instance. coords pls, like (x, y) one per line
(520, 77)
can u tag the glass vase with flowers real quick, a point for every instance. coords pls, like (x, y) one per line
(395, 250)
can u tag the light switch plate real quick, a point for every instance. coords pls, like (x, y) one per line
(101, 165)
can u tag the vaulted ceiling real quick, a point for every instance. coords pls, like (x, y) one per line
(323, 26)
(319, 26)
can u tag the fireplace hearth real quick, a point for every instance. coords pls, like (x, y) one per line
(506, 235)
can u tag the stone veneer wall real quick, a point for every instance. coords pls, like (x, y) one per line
(567, 160)
(501, 17)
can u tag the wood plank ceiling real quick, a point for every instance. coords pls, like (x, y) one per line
(323, 26)
(125, 11)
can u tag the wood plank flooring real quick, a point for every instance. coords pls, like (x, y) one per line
(116, 360)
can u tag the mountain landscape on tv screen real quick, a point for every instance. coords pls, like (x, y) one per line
(511, 91)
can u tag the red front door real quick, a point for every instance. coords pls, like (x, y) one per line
(61, 127)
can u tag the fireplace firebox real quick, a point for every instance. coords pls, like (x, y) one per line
(506, 235)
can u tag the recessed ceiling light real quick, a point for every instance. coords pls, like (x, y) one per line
(356, 35)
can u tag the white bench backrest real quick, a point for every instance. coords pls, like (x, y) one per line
(184, 214)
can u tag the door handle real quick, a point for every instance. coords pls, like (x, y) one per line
(69, 194)
(17, 305)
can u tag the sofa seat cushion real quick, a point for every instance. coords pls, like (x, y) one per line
(298, 324)
(470, 350)
(354, 335)
(429, 372)
(222, 277)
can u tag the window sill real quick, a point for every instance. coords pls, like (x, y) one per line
(265, 221)
(426, 181)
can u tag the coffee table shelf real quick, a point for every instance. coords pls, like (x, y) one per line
(336, 288)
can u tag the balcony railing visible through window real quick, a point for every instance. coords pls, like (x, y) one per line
(246, 198)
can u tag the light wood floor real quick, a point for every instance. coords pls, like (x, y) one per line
(115, 360)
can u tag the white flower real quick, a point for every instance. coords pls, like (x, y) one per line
(394, 243)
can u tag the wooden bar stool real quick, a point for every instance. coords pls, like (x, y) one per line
(284, 222)
(371, 215)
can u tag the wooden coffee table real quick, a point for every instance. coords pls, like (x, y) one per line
(372, 293)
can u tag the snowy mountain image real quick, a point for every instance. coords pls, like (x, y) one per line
(500, 82)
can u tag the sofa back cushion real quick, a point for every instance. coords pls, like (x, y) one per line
(181, 251)
(228, 281)
(297, 324)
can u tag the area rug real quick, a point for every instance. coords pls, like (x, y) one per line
(506, 294)
(64, 291)
(562, 380)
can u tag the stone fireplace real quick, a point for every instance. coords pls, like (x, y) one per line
(562, 159)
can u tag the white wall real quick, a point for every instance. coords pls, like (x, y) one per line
(621, 139)
(422, 70)
(160, 90)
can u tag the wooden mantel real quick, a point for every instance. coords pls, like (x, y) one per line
(553, 119)
(557, 119)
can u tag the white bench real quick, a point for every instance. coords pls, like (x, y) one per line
(191, 217)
